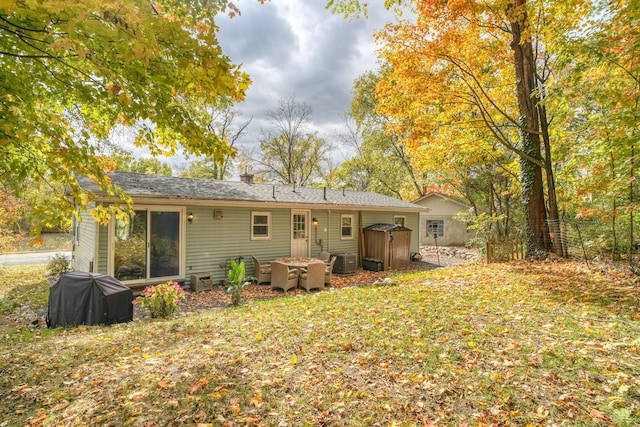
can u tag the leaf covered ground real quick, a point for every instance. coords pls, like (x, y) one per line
(507, 344)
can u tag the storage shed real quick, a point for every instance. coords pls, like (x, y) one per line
(390, 243)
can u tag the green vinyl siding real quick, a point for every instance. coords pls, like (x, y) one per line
(211, 242)
(84, 243)
(337, 244)
(412, 222)
(103, 243)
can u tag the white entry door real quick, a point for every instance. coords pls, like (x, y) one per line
(299, 233)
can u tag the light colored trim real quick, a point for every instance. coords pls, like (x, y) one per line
(261, 205)
(308, 229)
(183, 246)
(442, 197)
(111, 246)
(269, 230)
(351, 237)
(96, 246)
(404, 219)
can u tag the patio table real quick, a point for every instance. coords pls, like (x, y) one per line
(299, 262)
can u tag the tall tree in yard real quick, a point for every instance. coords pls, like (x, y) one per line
(222, 126)
(460, 64)
(291, 153)
(381, 162)
(71, 72)
(605, 125)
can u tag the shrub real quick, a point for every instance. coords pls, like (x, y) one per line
(238, 281)
(58, 265)
(163, 300)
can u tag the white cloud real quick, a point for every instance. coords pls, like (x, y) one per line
(298, 48)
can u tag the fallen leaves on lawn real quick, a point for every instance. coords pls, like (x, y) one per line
(482, 345)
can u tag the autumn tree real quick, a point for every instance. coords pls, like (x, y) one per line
(223, 125)
(149, 166)
(291, 153)
(599, 107)
(460, 64)
(11, 210)
(71, 72)
(381, 162)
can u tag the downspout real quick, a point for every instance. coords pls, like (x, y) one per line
(329, 230)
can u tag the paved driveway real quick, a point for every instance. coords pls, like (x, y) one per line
(30, 257)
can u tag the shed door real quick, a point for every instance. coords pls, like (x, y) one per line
(299, 233)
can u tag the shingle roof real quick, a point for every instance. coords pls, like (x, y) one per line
(159, 186)
(433, 194)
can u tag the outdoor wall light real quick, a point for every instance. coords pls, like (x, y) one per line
(314, 221)
(190, 217)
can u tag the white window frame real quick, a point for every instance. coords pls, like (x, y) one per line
(404, 220)
(253, 224)
(439, 222)
(343, 236)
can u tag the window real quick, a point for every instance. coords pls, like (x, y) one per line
(260, 225)
(435, 228)
(399, 220)
(346, 227)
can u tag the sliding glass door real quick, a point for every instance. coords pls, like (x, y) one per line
(148, 245)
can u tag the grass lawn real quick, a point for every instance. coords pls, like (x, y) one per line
(49, 242)
(503, 344)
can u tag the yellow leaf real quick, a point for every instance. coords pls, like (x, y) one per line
(293, 360)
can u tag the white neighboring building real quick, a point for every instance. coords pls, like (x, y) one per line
(439, 220)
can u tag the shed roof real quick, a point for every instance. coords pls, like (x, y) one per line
(191, 189)
(387, 227)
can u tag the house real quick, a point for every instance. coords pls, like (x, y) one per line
(184, 227)
(438, 220)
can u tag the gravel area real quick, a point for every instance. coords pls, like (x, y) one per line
(446, 256)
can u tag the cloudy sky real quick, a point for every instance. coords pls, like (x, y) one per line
(298, 48)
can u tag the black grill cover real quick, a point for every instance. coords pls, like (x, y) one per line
(80, 298)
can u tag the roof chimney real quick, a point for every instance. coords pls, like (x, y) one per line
(247, 178)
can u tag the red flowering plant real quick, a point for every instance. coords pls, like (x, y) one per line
(163, 300)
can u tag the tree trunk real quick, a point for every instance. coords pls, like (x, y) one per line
(631, 205)
(536, 232)
(558, 242)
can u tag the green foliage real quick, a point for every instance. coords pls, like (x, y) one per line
(381, 163)
(481, 225)
(94, 68)
(238, 281)
(131, 252)
(221, 122)
(163, 300)
(127, 163)
(58, 265)
(290, 153)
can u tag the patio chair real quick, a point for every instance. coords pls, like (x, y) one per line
(262, 272)
(328, 271)
(324, 256)
(282, 277)
(313, 276)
